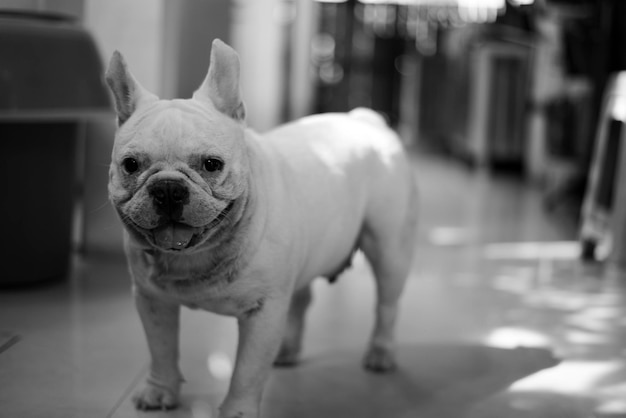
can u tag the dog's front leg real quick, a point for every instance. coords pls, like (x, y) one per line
(260, 334)
(161, 325)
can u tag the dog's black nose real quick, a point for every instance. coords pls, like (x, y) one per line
(169, 197)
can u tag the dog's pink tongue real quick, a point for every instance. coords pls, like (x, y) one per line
(174, 236)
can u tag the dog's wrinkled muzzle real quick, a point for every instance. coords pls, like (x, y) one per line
(169, 198)
(171, 215)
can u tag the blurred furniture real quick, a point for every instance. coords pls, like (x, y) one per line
(497, 103)
(50, 83)
(604, 206)
(568, 127)
(474, 97)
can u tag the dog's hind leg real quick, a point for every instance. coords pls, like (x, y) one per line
(292, 341)
(389, 248)
(390, 273)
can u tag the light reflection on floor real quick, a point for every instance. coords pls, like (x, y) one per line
(565, 250)
(509, 337)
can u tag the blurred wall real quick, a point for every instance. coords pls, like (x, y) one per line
(273, 38)
(189, 27)
(304, 28)
(133, 27)
(256, 35)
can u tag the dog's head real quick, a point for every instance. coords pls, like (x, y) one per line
(178, 166)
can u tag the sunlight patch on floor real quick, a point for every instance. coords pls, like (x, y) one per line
(558, 250)
(220, 365)
(516, 337)
(570, 377)
(449, 236)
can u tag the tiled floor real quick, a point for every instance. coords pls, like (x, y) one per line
(492, 272)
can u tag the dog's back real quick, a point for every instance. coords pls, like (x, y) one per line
(357, 162)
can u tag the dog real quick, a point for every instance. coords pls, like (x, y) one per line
(220, 218)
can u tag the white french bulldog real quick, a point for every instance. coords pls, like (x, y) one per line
(220, 218)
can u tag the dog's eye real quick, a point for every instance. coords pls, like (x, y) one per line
(213, 164)
(130, 165)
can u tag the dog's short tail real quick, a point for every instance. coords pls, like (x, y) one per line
(369, 116)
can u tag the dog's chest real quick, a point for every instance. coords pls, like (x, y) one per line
(218, 287)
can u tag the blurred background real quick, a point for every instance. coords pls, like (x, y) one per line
(511, 109)
(513, 86)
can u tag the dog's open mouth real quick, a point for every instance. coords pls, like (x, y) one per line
(178, 236)
(174, 236)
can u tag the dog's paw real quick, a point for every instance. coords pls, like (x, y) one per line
(239, 410)
(379, 360)
(287, 357)
(155, 397)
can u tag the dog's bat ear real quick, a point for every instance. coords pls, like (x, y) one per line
(127, 91)
(221, 85)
